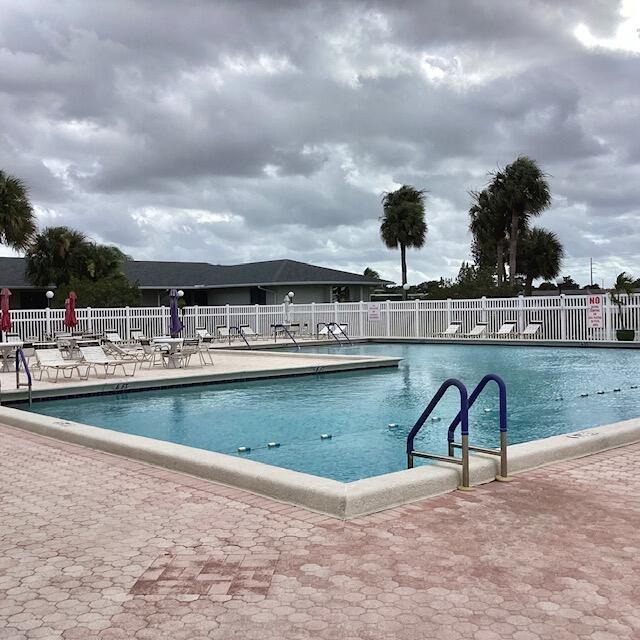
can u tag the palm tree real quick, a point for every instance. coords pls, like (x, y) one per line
(403, 224)
(371, 273)
(521, 188)
(17, 219)
(489, 228)
(56, 255)
(540, 255)
(103, 261)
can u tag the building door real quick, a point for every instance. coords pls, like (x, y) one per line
(258, 296)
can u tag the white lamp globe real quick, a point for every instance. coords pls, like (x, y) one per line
(291, 294)
(180, 293)
(49, 295)
(406, 286)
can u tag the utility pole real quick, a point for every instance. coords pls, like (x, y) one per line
(590, 271)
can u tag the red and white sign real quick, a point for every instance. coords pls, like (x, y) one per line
(595, 314)
(373, 311)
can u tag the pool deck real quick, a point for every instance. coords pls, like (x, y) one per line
(229, 365)
(97, 546)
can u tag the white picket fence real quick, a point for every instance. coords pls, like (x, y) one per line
(563, 318)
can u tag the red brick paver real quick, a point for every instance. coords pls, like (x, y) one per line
(95, 546)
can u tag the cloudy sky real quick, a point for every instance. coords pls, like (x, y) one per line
(232, 131)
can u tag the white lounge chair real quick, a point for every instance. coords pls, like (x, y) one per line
(49, 358)
(93, 356)
(13, 337)
(477, 331)
(531, 329)
(222, 332)
(507, 329)
(113, 336)
(202, 332)
(452, 329)
(249, 332)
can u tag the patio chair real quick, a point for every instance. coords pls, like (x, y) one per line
(93, 356)
(112, 336)
(190, 347)
(137, 334)
(507, 329)
(531, 329)
(222, 332)
(202, 332)
(249, 331)
(115, 350)
(452, 329)
(152, 352)
(206, 349)
(49, 358)
(477, 331)
(13, 337)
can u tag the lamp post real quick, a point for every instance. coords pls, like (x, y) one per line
(405, 288)
(49, 295)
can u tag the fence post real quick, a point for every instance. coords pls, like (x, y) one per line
(226, 313)
(387, 317)
(448, 311)
(48, 322)
(608, 311)
(417, 317)
(335, 312)
(256, 325)
(563, 318)
(127, 322)
(360, 319)
(312, 328)
(89, 319)
(483, 306)
(196, 316)
(520, 313)
(165, 321)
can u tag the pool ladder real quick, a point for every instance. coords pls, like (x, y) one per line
(462, 419)
(331, 330)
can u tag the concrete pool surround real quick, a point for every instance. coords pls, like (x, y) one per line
(338, 499)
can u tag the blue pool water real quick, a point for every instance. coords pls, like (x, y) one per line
(356, 408)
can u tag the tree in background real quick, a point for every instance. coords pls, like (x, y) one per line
(522, 191)
(55, 255)
(403, 222)
(111, 291)
(540, 255)
(488, 226)
(103, 261)
(567, 284)
(371, 273)
(17, 219)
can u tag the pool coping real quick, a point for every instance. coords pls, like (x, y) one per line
(338, 499)
(333, 363)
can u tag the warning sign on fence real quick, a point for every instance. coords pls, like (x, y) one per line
(373, 311)
(595, 314)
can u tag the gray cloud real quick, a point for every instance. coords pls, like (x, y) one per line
(229, 131)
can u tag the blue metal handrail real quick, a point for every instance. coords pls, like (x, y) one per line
(239, 332)
(20, 357)
(464, 419)
(281, 327)
(502, 452)
(330, 329)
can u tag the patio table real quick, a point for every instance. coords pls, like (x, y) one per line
(174, 345)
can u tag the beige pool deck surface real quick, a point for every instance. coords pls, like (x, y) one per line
(97, 546)
(229, 365)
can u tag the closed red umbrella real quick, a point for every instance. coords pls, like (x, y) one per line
(5, 322)
(70, 319)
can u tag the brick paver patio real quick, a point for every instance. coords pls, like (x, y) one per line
(95, 546)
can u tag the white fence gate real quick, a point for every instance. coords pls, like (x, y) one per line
(561, 317)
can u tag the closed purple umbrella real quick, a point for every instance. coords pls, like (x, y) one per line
(175, 324)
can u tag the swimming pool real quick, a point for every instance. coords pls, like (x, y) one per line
(544, 391)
